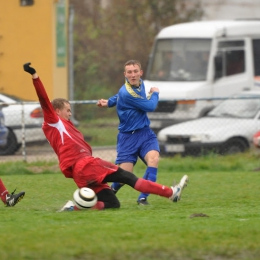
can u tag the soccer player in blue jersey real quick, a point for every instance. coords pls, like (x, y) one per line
(135, 138)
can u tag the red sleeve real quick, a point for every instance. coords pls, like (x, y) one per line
(49, 114)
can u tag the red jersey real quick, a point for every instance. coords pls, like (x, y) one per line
(67, 142)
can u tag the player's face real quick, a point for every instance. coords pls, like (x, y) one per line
(65, 112)
(133, 73)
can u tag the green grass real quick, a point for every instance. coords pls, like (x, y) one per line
(93, 131)
(224, 188)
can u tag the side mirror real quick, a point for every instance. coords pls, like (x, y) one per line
(218, 62)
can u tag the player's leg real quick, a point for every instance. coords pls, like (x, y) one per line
(127, 155)
(128, 166)
(106, 200)
(90, 172)
(12, 199)
(173, 193)
(95, 172)
(152, 160)
(3, 191)
(149, 153)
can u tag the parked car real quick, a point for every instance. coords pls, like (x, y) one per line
(3, 130)
(33, 118)
(228, 128)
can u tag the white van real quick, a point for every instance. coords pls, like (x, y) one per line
(197, 64)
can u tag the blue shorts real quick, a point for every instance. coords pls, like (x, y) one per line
(132, 145)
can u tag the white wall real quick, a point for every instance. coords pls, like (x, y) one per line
(231, 9)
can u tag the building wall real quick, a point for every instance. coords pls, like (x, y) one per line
(31, 34)
(231, 9)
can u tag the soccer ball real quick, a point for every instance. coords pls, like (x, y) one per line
(85, 198)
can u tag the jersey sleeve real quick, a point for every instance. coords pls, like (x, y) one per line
(142, 103)
(112, 101)
(49, 114)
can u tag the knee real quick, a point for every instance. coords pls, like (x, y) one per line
(152, 159)
(112, 205)
(117, 205)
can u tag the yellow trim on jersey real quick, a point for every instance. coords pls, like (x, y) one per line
(130, 90)
(149, 95)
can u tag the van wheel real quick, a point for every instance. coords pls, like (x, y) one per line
(11, 146)
(234, 145)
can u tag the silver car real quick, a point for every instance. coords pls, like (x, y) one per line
(227, 129)
(3, 131)
(17, 115)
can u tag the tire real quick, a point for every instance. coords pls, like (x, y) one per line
(12, 146)
(234, 145)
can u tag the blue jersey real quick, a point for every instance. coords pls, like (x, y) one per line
(132, 106)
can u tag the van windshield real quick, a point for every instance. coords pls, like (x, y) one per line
(179, 60)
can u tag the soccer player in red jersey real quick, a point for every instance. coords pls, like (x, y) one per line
(9, 199)
(76, 160)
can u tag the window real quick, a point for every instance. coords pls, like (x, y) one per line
(233, 55)
(179, 59)
(229, 44)
(26, 2)
(235, 62)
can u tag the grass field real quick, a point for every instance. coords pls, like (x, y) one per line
(226, 189)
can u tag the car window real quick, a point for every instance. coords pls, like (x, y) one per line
(241, 108)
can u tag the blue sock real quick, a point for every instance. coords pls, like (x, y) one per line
(116, 186)
(150, 175)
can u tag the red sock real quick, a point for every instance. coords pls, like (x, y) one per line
(99, 206)
(3, 191)
(153, 187)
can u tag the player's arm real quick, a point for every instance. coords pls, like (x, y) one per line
(49, 114)
(111, 102)
(144, 104)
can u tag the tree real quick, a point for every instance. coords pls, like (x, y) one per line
(108, 33)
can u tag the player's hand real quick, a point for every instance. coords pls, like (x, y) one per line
(29, 69)
(102, 103)
(154, 89)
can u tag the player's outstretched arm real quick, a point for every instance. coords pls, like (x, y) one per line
(49, 114)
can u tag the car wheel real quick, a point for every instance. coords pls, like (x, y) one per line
(11, 146)
(234, 145)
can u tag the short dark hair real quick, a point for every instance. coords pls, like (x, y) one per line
(133, 62)
(58, 103)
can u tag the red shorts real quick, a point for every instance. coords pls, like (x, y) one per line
(90, 172)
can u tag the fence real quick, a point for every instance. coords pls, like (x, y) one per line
(228, 128)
